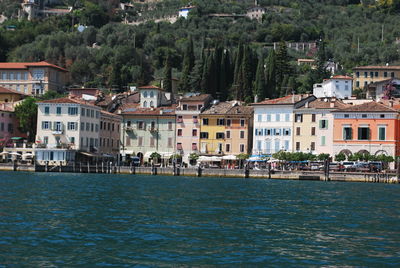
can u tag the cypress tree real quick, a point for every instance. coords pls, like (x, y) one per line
(188, 64)
(247, 74)
(238, 74)
(204, 84)
(282, 66)
(259, 84)
(270, 83)
(167, 84)
(222, 87)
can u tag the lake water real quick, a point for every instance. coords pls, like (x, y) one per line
(51, 220)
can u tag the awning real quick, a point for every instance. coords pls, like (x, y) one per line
(209, 159)
(88, 154)
(3, 153)
(17, 138)
(166, 155)
(15, 153)
(229, 157)
(128, 152)
(27, 155)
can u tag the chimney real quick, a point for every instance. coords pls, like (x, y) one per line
(332, 104)
(391, 103)
(306, 105)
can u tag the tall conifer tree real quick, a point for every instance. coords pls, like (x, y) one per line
(167, 84)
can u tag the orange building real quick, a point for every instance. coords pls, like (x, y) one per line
(370, 127)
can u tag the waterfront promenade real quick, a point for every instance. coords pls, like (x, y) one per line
(210, 172)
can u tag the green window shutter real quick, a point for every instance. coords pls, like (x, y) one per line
(320, 123)
(344, 133)
(326, 123)
(351, 134)
(359, 133)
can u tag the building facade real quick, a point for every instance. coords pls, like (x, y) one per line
(64, 127)
(273, 123)
(365, 75)
(370, 127)
(110, 133)
(188, 123)
(32, 78)
(8, 95)
(338, 86)
(226, 129)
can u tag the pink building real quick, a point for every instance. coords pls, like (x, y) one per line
(188, 123)
(8, 124)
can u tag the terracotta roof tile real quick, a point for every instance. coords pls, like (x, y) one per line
(4, 90)
(342, 77)
(167, 110)
(368, 107)
(67, 100)
(322, 104)
(201, 97)
(25, 65)
(150, 87)
(289, 99)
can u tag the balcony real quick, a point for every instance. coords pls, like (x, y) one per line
(130, 128)
(153, 129)
(57, 132)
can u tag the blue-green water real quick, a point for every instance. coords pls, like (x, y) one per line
(51, 220)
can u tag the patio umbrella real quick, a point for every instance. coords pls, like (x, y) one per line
(15, 153)
(3, 153)
(27, 155)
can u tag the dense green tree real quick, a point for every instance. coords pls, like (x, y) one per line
(259, 84)
(270, 85)
(26, 113)
(188, 64)
(282, 68)
(167, 79)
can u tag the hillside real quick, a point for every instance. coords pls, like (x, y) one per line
(201, 46)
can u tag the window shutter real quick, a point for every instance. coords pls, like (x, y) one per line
(326, 123)
(359, 133)
(351, 134)
(320, 123)
(368, 134)
(256, 132)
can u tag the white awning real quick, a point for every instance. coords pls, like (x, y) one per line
(166, 155)
(229, 157)
(209, 159)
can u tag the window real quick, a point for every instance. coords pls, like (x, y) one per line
(241, 148)
(277, 146)
(72, 110)
(180, 119)
(58, 126)
(382, 133)
(58, 110)
(371, 74)
(220, 135)
(277, 131)
(323, 140)
(128, 141)
(184, 107)
(268, 118)
(278, 117)
(194, 146)
(347, 133)
(91, 127)
(313, 117)
(323, 124)
(179, 132)
(286, 132)
(46, 125)
(376, 74)
(151, 94)
(45, 139)
(97, 127)
(242, 134)
(72, 140)
(140, 141)
(151, 141)
(364, 116)
(205, 121)
(358, 74)
(298, 118)
(312, 146)
(365, 74)
(220, 122)
(286, 146)
(227, 148)
(363, 133)
(298, 131)
(357, 83)
(287, 117)
(92, 113)
(392, 74)
(11, 76)
(72, 126)
(297, 146)
(242, 121)
(169, 125)
(83, 111)
(47, 110)
(169, 142)
(313, 131)
(228, 134)
(268, 132)
(82, 126)
(382, 116)
(346, 116)
(145, 94)
(2, 126)
(385, 74)
(199, 107)
(87, 126)
(346, 87)
(97, 114)
(194, 132)
(260, 118)
(151, 104)
(203, 135)
(228, 122)
(141, 125)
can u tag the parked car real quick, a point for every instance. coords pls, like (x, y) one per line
(376, 166)
(360, 166)
(334, 166)
(347, 165)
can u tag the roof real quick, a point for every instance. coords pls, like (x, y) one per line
(67, 100)
(134, 109)
(150, 87)
(342, 77)
(25, 65)
(229, 107)
(325, 103)
(4, 90)
(110, 114)
(289, 99)
(201, 97)
(368, 107)
(372, 67)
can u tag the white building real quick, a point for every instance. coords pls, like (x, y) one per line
(338, 86)
(273, 123)
(184, 11)
(65, 126)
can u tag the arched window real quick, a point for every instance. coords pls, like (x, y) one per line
(145, 104)
(151, 104)
(151, 94)
(145, 94)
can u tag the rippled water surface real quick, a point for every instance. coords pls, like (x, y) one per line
(52, 220)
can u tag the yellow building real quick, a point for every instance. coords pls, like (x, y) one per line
(365, 75)
(226, 129)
